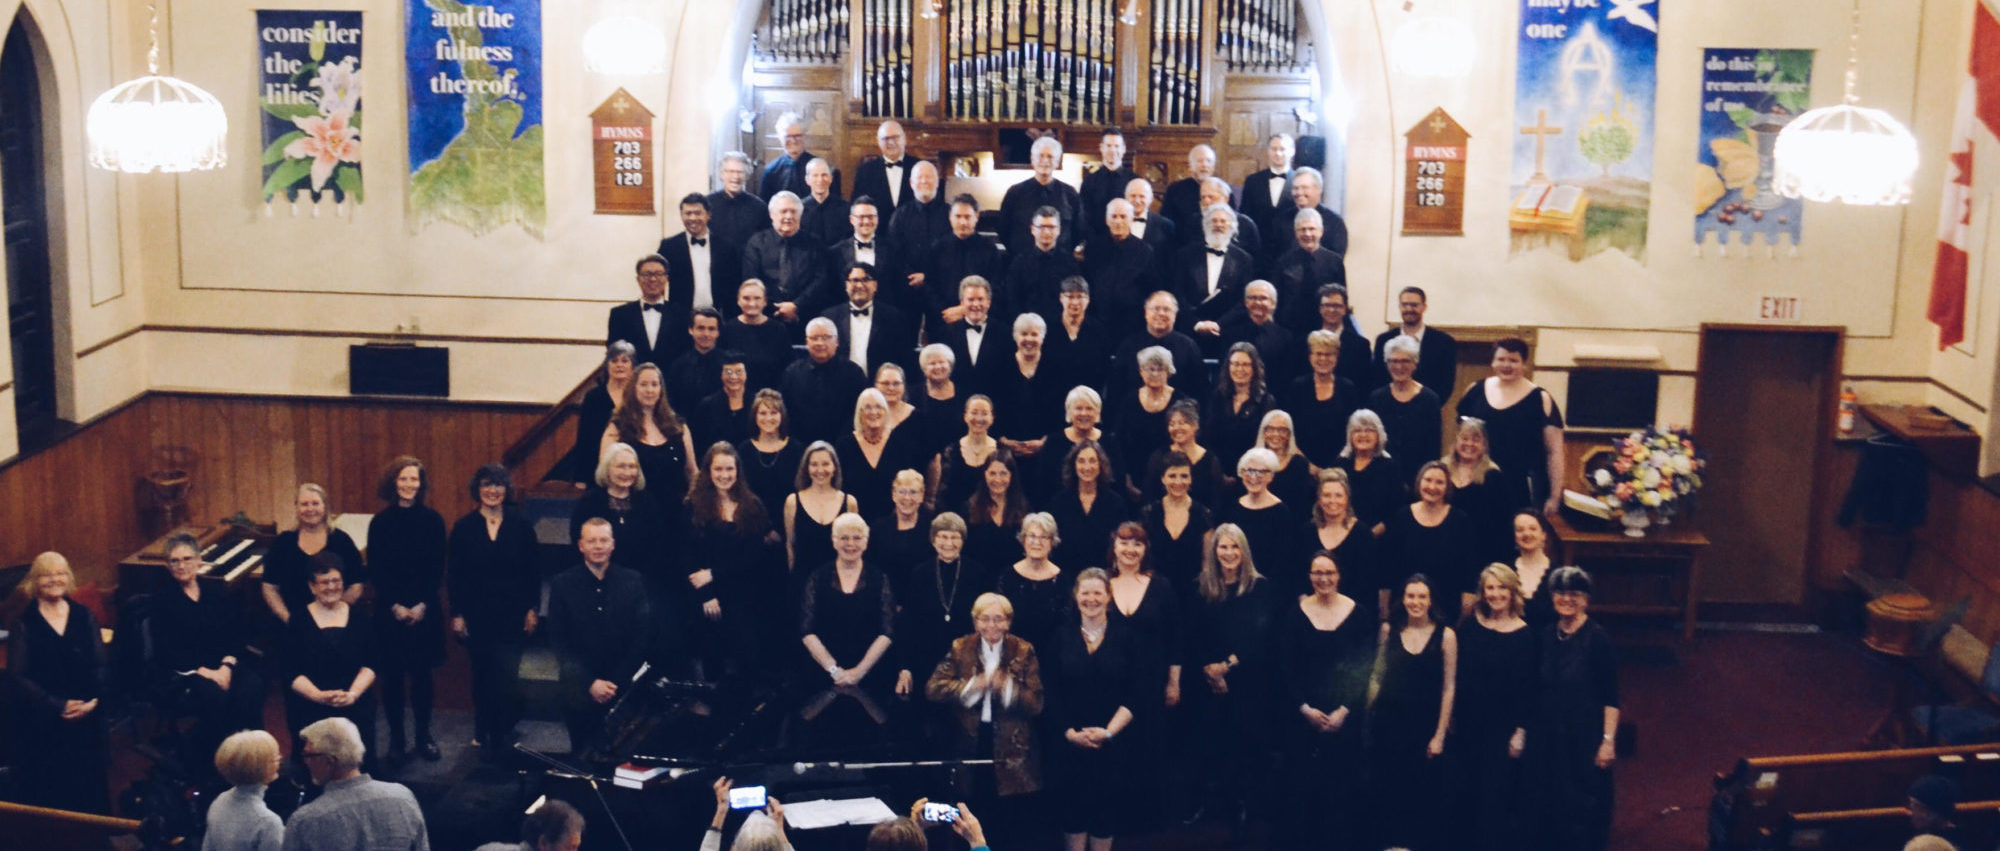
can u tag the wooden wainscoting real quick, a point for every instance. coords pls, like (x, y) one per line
(87, 496)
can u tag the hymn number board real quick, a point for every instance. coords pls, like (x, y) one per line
(1434, 180)
(621, 145)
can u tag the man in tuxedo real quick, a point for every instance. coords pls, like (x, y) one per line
(791, 266)
(734, 212)
(963, 253)
(823, 216)
(697, 372)
(1437, 352)
(1209, 277)
(819, 389)
(1268, 190)
(1307, 185)
(787, 171)
(1190, 374)
(886, 178)
(1103, 183)
(1122, 270)
(1025, 200)
(867, 244)
(916, 223)
(872, 333)
(699, 275)
(653, 323)
(1183, 199)
(1256, 322)
(1357, 363)
(1148, 224)
(975, 338)
(1249, 236)
(1303, 269)
(1034, 276)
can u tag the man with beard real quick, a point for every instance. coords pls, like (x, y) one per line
(1024, 201)
(872, 333)
(790, 265)
(1209, 277)
(1122, 270)
(1249, 234)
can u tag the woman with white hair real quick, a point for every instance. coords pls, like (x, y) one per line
(1083, 413)
(622, 497)
(56, 674)
(1265, 518)
(847, 613)
(550, 826)
(1411, 413)
(238, 819)
(942, 400)
(1027, 392)
(1374, 477)
(1034, 584)
(1293, 479)
(992, 681)
(1141, 418)
(869, 456)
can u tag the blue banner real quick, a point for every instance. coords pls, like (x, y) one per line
(475, 80)
(1583, 109)
(1747, 96)
(309, 66)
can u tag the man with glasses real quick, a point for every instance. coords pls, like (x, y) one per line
(791, 265)
(354, 812)
(1035, 276)
(653, 323)
(787, 171)
(870, 332)
(887, 178)
(867, 242)
(819, 389)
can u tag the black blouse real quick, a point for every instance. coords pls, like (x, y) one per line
(1083, 688)
(1086, 536)
(1025, 408)
(1442, 552)
(1496, 678)
(49, 668)
(766, 348)
(1320, 427)
(1237, 626)
(1379, 491)
(847, 623)
(899, 551)
(1514, 434)
(189, 634)
(1206, 488)
(1178, 559)
(289, 569)
(1143, 432)
(936, 605)
(1326, 668)
(1413, 430)
(770, 475)
(1231, 431)
(494, 582)
(1160, 632)
(1038, 605)
(637, 529)
(713, 422)
(331, 657)
(870, 484)
(406, 548)
(1358, 557)
(1269, 530)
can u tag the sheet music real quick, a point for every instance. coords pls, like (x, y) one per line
(811, 815)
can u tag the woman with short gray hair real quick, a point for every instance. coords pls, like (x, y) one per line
(1411, 413)
(1027, 393)
(1380, 490)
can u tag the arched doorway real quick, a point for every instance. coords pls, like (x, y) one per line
(24, 215)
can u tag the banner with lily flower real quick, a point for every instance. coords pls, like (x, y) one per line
(310, 66)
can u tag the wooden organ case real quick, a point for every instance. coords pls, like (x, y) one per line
(1171, 73)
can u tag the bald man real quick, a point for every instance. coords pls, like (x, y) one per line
(1121, 268)
(920, 220)
(1183, 201)
(1149, 224)
(886, 178)
(824, 217)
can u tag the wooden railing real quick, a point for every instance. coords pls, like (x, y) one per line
(546, 428)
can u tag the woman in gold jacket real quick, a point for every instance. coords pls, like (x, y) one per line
(991, 676)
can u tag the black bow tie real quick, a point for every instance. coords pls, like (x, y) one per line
(857, 311)
(1219, 252)
(658, 308)
(902, 163)
(979, 327)
(869, 245)
(1138, 220)
(693, 241)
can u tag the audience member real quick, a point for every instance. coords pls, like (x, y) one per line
(550, 826)
(406, 545)
(57, 678)
(354, 812)
(238, 819)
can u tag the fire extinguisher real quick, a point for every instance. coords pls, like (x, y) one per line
(1848, 403)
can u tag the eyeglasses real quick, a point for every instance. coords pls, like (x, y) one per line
(1256, 471)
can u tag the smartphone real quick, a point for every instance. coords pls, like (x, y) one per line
(746, 798)
(940, 813)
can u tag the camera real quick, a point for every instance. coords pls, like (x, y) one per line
(746, 798)
(940, 813)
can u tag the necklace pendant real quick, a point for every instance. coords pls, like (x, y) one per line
(947, 617)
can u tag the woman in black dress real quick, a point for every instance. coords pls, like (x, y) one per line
(1571, 737)
(623, 498)
(1177, 527)
(1523, 423)
(1090, 668)
(1232, 651)
(1027, 392)
(942, 403)
(1034, 584)
(1292, 479)
(1412, 414)
(1495, 697)
(1265, 519)
(329, 656)
(1141, 418)
(1147, 605)
(901, 539)
(1077, 338)
(1324, 647)
(288, 562)
(1434, 538)
(766, 343)
(1416, 672)
(1083, 408)
(726, 415)
(1537, 552)
(1089, 506)
(1183, 436)
(495, 591)
(816, 494)
(770, 461)
(1322, 400)
(599, 403)
(647, 423)
(1376, 478)
(955, 470)
(869, 456)
(847, 614)
(1240, 402)
(406, 543)
(993, 514)
(56, 664)
(937, 601)
(198, 638)
(1486, 493)
(909, 425)
(732, 564)
(1335, 529)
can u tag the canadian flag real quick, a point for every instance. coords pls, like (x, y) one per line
(1978, 100)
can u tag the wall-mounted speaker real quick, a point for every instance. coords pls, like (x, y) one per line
(398, 369)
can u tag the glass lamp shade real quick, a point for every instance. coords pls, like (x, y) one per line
(1845, 153)
(1435, 47)
(157, 123)
(624, 47)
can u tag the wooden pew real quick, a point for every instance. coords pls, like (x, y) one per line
(1883, 828)
(1754, 799)
(23, 828)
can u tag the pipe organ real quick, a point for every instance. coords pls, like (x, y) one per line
(803, 31)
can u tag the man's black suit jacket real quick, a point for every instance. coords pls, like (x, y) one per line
(996, 344)
(1189, 280)
(872, 179)
(892, 339)
(890, 285)
(627, 323)
(723, 273)
(1256, 193)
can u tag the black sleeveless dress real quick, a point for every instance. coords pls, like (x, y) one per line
(1407, 783)
(812, 541)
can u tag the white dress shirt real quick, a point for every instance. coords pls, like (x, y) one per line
(974, 336)
(652, 318)
(865, 255)
(859, 329)
(1277, 188)
(895, 173)
(989, 661)
(1139, 227)
(704, 289)
(1215, 271)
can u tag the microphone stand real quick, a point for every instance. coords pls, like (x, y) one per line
(558, 768)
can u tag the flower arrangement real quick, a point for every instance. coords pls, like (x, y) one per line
(1652, 474)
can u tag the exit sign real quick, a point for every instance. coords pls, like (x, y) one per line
(1778, 308)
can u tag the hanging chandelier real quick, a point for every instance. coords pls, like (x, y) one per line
(156, 123)
(1846, 153)
(1434, 46)
(625, 46)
